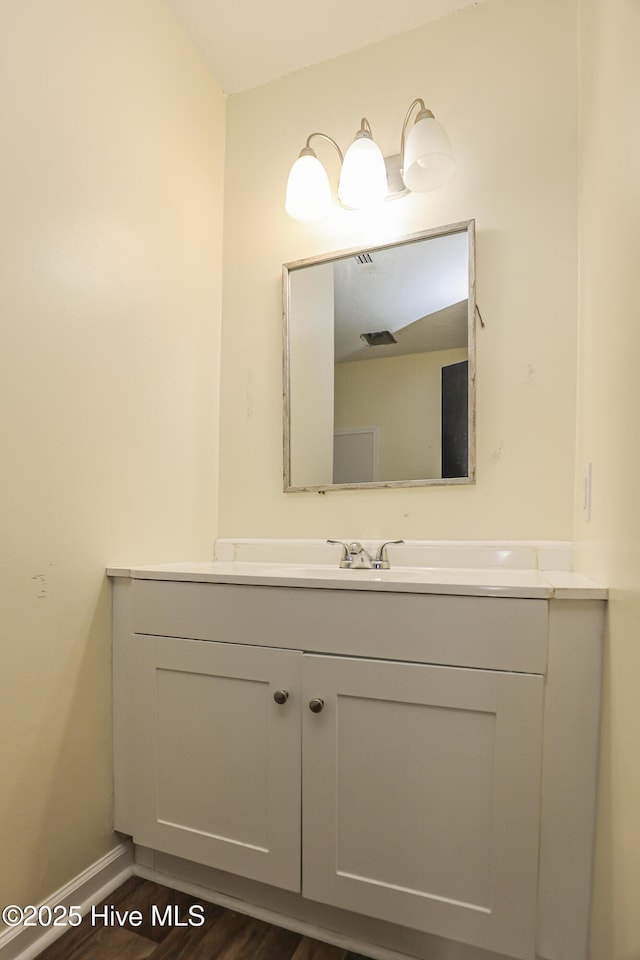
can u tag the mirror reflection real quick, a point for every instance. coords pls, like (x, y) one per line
(379, 364)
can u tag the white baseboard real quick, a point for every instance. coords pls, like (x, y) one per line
(85, 890)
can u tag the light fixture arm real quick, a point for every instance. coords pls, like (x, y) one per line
(308, 150)
(422, 114)
(365, 130)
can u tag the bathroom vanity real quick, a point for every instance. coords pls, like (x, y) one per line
(401, 761)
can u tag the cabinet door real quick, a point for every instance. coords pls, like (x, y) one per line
(421, 797)
(217, 770)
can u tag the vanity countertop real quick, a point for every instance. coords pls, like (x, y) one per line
(522, 583)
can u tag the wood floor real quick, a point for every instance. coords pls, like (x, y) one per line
(224, 935)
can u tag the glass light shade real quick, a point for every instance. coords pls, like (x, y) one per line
(428, 159)
(308, 191)
(363, 178)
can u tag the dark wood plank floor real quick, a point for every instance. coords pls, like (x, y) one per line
(224, 935)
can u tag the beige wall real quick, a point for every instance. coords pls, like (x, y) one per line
(110, 252)
(609, 438)
(502, 77)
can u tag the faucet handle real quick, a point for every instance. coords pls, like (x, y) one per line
(345, 559)
(382, 557)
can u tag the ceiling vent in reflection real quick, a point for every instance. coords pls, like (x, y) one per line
(379, 339)
(363, 258)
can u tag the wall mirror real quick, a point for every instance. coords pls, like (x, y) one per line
(379, 364)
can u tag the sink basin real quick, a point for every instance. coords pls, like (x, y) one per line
(334, 572)
(398, 574)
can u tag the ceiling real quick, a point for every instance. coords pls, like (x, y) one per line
(247, 43)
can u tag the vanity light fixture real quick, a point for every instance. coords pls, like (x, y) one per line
(426, 159)
(308, 190)
(363, 177)
(424, 163)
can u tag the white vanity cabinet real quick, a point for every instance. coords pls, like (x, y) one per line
(216, 763)
(421, 797)
(386, 754)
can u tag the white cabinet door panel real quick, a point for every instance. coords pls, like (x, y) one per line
(218, 778)
(421, 797)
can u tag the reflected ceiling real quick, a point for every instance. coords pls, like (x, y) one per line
(420, 297)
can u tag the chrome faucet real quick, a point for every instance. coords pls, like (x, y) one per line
(349, 552)
(356, 557)
(381, 561)
(361, 559)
